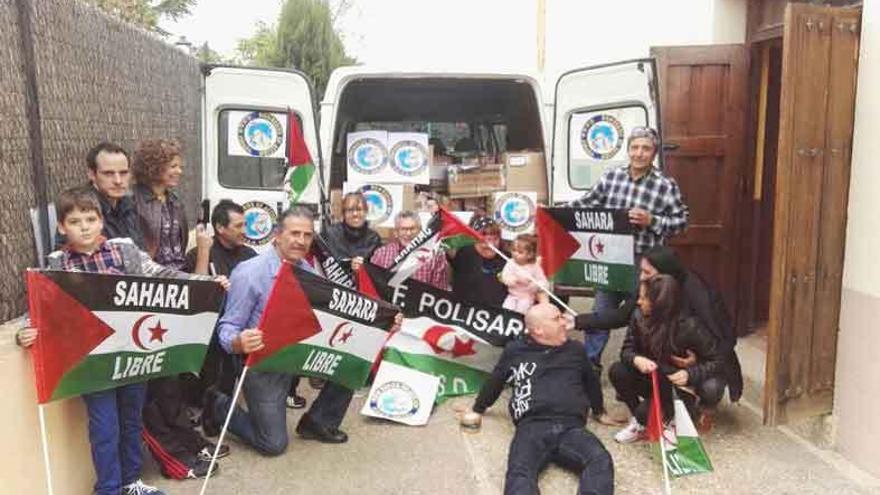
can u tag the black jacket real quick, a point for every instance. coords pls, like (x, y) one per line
(548, 382)
(346, 242)
(697, 302)
(691, 335)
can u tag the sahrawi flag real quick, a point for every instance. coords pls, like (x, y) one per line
(684, 450)
(301, 168)
(444, 229)
(587, 247)
(312, 326)
(445, 335)
(99, 331)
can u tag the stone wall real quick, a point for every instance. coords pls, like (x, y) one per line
(97, 79)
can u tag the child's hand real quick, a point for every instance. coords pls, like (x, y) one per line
(470, 419)
(26, 337)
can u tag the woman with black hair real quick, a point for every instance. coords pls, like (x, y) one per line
(658, 331)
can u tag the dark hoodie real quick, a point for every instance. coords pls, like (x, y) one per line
(348, 242)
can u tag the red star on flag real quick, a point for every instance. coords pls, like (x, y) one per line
(344, 337)
(600, 248)
(157, 332)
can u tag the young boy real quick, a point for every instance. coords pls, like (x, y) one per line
(551, 389)
(115, 422)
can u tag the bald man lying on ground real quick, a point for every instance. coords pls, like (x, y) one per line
(550, 375)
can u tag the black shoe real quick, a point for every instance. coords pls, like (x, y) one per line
(296, 401)
(207, 452)
(309, 430)
(210, 423)
(199, 469)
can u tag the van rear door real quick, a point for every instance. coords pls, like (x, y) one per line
(248, 117)
(594, 110)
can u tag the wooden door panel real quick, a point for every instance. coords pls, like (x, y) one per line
(818, 79)
(702, 103)
(844, 34)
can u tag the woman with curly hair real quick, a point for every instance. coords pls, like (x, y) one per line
(171, 437)
(158, 167)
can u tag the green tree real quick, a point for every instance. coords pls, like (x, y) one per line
(207, 55)
(305, 38)
(146, 13)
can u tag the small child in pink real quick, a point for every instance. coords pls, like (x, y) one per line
(522, 291)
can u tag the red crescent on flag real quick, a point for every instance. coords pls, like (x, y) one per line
(433, 335)
(336, 332)
(136, 332)
(590, 246)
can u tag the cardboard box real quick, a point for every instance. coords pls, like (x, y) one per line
(526, 171)
(475, 181)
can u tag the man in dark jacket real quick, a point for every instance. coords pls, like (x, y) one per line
(550, 375)
(110, 175)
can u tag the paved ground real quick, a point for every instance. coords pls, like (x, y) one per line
(440, 458)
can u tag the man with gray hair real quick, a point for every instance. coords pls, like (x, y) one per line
(433, 267)
(655, 206)
(264, 424)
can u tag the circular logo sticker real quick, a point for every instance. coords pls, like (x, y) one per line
(260, 134)
(380, 204)
(367, 155)
(409, 158)
(602, 136)
(395, 400)
(514, 211)
(259, 219)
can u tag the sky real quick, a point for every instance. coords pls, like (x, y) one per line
(476, 33)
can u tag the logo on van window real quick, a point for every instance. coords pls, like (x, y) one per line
(259, 220)
(514, 211)
(409, 158)
(602, 136)
(380, 205)
(260, 134)
(367, 155)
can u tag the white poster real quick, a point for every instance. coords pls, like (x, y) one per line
(515, 212)
(367, 156)
(401, 394)
(597, 141)
(409, 158)
(384, 202)
(259, 134)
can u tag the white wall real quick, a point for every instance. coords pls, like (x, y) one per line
(857, 381)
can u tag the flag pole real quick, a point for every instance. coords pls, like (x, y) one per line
(224, 429)
(532, 279)
(45, 441)
(658, 417)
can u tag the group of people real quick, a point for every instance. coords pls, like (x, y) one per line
(672, 320)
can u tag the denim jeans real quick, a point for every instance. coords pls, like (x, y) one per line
(115, 426)
(264, 425)
(565, 442)
(595, 340)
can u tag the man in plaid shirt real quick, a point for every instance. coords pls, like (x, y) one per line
(655, 206)
(433, 267)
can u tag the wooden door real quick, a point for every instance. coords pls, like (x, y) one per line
(819, 62)
(702, 112)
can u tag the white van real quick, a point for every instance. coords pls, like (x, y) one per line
(581, 124)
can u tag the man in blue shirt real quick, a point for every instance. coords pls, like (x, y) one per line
(264, 424)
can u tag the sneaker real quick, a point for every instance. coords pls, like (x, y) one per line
(207, 452)
(199, 469)
(296, 402)
(632, 432)
(140, 488)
